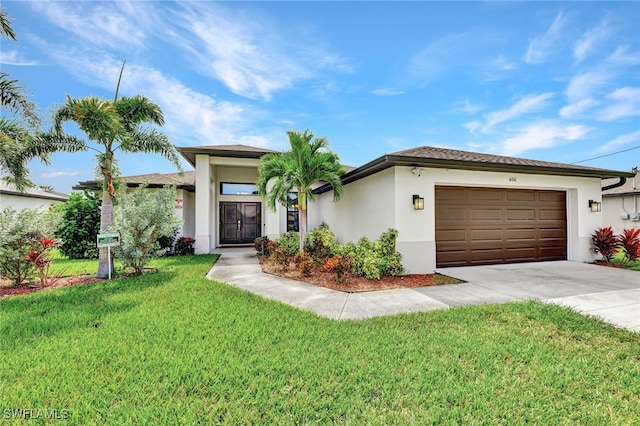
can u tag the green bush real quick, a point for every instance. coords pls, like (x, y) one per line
(290, 242)
(19, 235)
(320, 244)
(375, 259)
(184, 246)
(142, 217)
(80, 226)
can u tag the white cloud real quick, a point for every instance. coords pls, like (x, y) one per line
(191, 118)
(54, 175)
(541, 46)
(626, 103)
(589, 40)
(470, 108)
(525, 105)
(386, 92)
(438, 57)
(473, 126)
(619, 142)
(542, 134)
(249, 55)
(582, 86)
(13, 57)
(622, 56)
(103, 24)
(576, 109)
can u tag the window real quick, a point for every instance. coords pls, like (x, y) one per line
(293, 222)
(227, 188)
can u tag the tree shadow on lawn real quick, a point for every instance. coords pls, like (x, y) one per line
(47, 313)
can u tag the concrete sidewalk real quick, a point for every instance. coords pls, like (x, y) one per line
(610, 293)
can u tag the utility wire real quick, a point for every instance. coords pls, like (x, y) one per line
(607, 155)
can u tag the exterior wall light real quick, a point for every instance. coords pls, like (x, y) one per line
(418, 202)
(595, 206)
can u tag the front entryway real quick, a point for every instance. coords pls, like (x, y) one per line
(240, 223)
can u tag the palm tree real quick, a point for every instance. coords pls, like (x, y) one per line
(18, 145)
(308, 162)
(114, 126)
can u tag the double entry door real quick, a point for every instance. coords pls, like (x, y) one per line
(240, 223)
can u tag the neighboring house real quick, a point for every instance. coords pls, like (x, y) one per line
(621, 203)
(185, 193)
(451, 208)
(32, 198)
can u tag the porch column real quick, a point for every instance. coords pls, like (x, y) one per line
(203, 205)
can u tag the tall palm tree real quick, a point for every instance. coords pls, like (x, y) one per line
(114, 126)
(309, 161)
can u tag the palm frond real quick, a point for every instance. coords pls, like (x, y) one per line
(5, 26)
(151, 141)
(137, 110)
(13, 97)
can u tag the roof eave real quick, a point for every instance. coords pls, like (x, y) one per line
(189, 153)
(387, 161)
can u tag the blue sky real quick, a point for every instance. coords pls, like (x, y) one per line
(543, 80)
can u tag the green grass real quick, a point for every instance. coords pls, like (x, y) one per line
(175, 348)
(618, 258)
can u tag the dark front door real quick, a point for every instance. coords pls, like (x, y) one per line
(239, 222)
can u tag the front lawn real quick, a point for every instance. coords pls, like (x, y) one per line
(175, 348)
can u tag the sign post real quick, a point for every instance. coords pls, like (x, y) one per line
(108, 240)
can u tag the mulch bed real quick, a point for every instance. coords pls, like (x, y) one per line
(353, 284)
(7, 290)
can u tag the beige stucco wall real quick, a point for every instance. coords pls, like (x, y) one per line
(372, 205)
(614, 207)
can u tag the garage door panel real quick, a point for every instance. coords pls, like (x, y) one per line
(521, 214)
(484, 215)
(484, 195)
(528, 234)
(453, 235)
(479, 226)
(520, 196)
(486, 235)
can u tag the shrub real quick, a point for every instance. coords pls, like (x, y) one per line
(40, 257)
(605, 243)
(280, 256)
(184, 246)
(166, 241)
(629, 241)
(339, 264)
(19, 231)
(320, 244)
(303, 263)
(375, 259)
(79, 226)
(142, 217)
(387, 242)
(290, 242)
(261, 245)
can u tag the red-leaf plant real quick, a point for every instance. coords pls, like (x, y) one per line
(629, 240)
(40, 257)
(605, 243)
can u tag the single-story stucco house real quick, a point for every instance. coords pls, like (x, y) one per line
(185, 193)
(451, 207)
(621, 203)
(31, 198)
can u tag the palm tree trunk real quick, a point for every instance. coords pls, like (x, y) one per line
(303, 227)
(106, 220)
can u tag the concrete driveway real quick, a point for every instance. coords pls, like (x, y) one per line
(612, 294)
(609, 293)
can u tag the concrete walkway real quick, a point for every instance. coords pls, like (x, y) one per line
(612, 294)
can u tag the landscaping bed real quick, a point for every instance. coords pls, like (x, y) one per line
(353, 284)
(7, 288)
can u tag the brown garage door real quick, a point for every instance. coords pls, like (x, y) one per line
(481, 226)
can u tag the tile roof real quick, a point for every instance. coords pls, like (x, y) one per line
(454, 156)
(627, 188)
(186, 181)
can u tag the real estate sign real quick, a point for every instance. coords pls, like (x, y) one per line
(108, 240)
